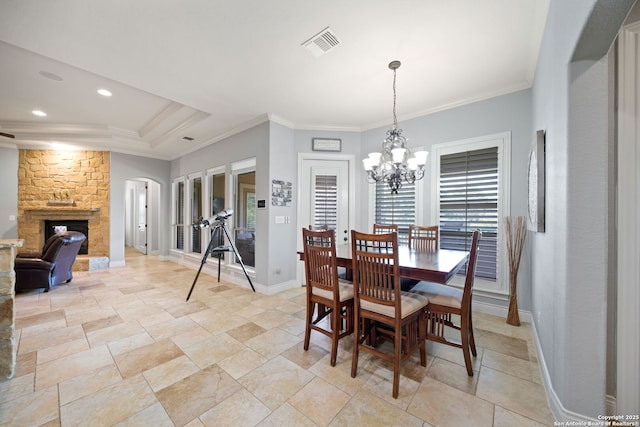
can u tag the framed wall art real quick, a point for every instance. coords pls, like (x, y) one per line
(536, 184)
(326, 144)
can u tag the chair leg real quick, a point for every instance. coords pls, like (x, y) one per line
(356, 344)
(397, 346)
(472, 340)
(422, 336)
(335, 331)
(464, 332)
(307, 329)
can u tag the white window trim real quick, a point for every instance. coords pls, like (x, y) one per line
(503, 142)
(174, 219)
(189, 216)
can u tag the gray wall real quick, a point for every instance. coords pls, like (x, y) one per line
(572, 100)
(253, 142)
(123, 168)
(9, 199)
(507, 113)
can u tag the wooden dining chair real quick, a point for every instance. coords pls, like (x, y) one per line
(385, 228)
(326, 294)
(381, 308)
(424, 238)
(445, 301)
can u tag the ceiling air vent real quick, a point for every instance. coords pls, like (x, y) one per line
(322, 42)
(187, 138)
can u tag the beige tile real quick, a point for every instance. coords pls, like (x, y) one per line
(130, 343)
(286, 415)
(114, 333)
(154, 415)
(25, 364)
(147, 357)
(194, 335)
(454, 375)
(39, 318)
(340, 375)
(109, 405)
(271, 318)
(167, 373)
(33, 409)
(89, 316)
(184, 308)
(308, 358)
(442, 405)
(272, 342)
(43, 328)
(246, 331)
(319, 401)
(212, 350)
(367, 409)
(505, 418)
(192, 396)
(103, 322)
(71, 366)
(160, 317)
(239, 409)
(524, 397)
(62, 335)
(515, 347)
(242, 362)
(170, 327)
(16, 387)
(276, 381)
(65, 349)
(508, 364)
(84, 385)
(454, 354)
(380, 383)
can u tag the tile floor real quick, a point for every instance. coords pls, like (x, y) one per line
(122, 347)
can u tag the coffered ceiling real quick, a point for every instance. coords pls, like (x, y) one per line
(205, 69)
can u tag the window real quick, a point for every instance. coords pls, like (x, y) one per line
(325, 203)
(196, 212)
(244, 176)
(396, 208)
(178, 214)
(471, 180)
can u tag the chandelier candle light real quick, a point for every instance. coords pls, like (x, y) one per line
(396, 164)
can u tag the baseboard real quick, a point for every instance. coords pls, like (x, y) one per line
(500, 311)
(560, 413)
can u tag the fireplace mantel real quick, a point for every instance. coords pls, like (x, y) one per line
(62, 213)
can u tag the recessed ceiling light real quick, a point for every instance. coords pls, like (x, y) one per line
(104, 92)
(39, 113)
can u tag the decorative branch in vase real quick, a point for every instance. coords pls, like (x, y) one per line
(516, 230)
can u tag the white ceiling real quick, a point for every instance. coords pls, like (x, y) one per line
(208, 68)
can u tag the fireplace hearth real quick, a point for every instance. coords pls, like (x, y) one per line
(53, 226)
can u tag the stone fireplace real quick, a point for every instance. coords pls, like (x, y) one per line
(65, 186)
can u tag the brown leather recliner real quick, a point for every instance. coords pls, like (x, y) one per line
(50, 267)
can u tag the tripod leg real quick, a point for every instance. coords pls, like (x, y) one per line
(235, 251)
(204, 261)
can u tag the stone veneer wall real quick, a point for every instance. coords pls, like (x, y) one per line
(8, 344)
(56, 184)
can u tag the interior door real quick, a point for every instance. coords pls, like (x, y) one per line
(324, 199)
(140, 213)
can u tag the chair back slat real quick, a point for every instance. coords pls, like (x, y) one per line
(385, 228)
(320, 259)
(375, 267)
(471, 267)
(424, 238)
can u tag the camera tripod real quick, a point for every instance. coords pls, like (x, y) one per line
(218, 225)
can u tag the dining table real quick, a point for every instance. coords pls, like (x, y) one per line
(433, 266)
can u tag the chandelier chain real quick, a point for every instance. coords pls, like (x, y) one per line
(395, 119)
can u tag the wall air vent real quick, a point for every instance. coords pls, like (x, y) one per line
(322, 42)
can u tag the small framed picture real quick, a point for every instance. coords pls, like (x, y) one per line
(326, 144)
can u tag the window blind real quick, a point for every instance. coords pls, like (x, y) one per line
(469, 200)
(180, 216)
(325, 201)
(396, 208)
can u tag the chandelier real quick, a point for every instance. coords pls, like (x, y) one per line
(396, 164)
